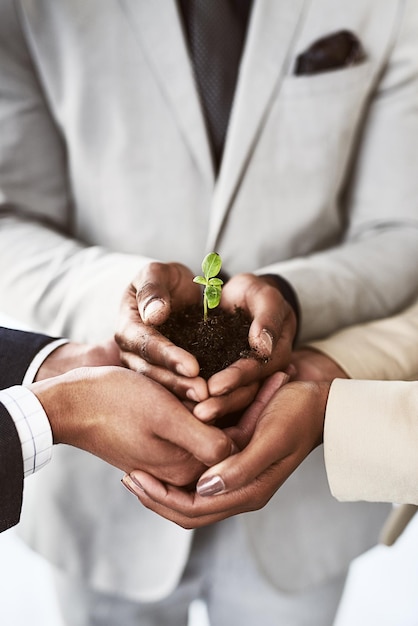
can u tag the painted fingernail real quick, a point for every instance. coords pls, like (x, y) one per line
(136, 481)
(266, 341)
(133, 486)
(210, 486)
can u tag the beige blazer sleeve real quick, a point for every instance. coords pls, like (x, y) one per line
(371, 440)
(380, 350)
(371, 426)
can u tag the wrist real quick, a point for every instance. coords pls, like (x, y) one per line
(311, 364)
(74, 355)
(323, 393)
(62, 398)
(289, 294)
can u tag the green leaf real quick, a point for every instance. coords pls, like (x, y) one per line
(200, 280)
(217, 282)
(213, 295)
(211, 265)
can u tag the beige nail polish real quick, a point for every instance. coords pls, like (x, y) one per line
(210, 486)
(133, 487)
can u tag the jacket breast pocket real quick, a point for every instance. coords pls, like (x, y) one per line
(313, 124)
(334, 81)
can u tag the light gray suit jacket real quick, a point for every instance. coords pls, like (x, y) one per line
(105, 163)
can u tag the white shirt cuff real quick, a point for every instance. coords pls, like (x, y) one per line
(40, 358)
(32, 425)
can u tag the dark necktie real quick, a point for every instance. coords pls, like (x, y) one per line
(216, 31)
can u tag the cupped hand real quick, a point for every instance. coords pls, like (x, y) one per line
(131, 422)
(155, 292)
(282, 431)
(271, 335)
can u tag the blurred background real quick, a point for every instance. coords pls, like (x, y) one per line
(382, 587)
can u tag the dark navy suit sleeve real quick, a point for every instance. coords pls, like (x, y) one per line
(17, 350)
(11, 472)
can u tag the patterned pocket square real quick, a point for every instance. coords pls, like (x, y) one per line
(338, 50)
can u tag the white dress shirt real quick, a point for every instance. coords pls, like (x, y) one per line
(31, 421)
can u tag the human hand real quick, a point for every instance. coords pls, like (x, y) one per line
(148, 301)
(131, 422)
(271, 335)
(157, 290)
(72, 355)
(282, 432)
(310, 364)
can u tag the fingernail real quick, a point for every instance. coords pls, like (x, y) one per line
(266, 341)
(132, 485)
(210, 486)
(192, 395)
(153, 305)
(234, 448)
(136, 481)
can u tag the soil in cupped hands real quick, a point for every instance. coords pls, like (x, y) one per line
(216, 343)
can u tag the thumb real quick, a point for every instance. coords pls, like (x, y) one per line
(244, 430)
(154, 310)
(151, 288)
(240, 470)
(235, 472)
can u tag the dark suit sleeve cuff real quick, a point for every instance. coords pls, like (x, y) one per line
(11, 471)
(17, 351)
(289, 294)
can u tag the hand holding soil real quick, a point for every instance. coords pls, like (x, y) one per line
(156, 291)
(163, 291)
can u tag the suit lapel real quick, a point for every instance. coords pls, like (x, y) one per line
(271, 32)
(158, 30)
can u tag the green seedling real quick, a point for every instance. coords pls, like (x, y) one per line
(211, 267)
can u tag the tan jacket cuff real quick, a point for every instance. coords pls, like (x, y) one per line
(371, 441)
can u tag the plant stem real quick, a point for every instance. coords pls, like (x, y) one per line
(205, 308)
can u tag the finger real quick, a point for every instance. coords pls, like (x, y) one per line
(181, 470)
(268, 311)
(185, 508)
(274, 319)
(190, 510)
(160, 509)
(151, 346)
(242, 433)
(263, 304)
(186, 388)
(241, 373)
(265, 394)
(261, 456)
(282, 439)
(151, 289)
(162, 287)
(206, 443)
(215, 408)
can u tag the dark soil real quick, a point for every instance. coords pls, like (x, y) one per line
(216, 343)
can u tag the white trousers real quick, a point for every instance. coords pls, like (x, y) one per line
(223, 574)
